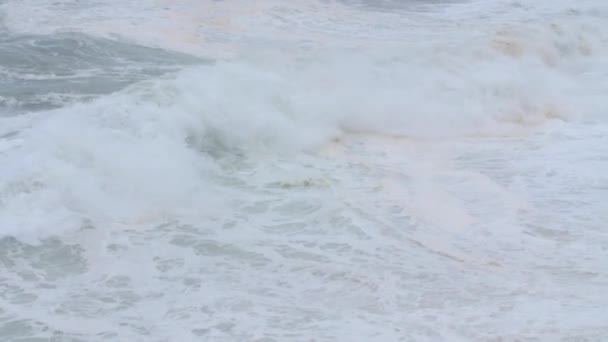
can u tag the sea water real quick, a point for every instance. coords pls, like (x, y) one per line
(303, 170)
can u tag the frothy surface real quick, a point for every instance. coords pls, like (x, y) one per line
(355, 170)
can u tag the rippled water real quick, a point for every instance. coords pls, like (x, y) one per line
(313, 171)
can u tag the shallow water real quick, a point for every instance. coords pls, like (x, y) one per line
(319, 171)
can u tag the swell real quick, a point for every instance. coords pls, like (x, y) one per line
(47, 71)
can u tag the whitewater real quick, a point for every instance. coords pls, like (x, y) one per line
(356, 170)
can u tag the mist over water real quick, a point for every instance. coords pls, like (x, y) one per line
(271, 171)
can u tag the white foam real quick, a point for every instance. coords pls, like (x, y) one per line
(101, 158)
(446, 176)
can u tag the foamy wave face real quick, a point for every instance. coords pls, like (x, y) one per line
(145, 153)
(150, 150)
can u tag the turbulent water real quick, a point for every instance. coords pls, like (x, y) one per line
(373, 170)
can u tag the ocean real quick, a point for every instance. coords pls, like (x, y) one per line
(320, 170)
